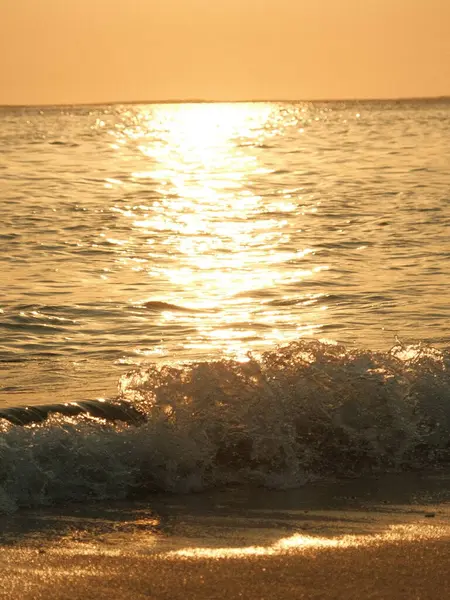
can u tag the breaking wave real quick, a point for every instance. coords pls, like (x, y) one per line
(308, 410)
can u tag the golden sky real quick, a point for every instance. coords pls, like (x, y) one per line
(64, 51)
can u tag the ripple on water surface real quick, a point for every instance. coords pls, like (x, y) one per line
(182, 232)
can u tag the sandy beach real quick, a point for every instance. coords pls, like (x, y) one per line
(377, 538)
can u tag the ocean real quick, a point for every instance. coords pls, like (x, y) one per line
(248, 294)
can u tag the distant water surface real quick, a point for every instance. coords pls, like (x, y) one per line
(166, 233)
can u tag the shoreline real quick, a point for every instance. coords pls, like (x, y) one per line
(385, 537)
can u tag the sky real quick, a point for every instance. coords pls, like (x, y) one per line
(87, 51)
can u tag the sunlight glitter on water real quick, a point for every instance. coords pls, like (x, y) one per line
(300, 543)
(225, 242)
(194, 232)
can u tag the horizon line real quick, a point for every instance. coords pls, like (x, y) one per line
(243, 101)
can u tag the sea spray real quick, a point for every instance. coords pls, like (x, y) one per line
(307, 410)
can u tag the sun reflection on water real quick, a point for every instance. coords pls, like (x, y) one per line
(209, 235)
(298, 543)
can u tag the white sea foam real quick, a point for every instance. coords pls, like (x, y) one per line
(307, 410)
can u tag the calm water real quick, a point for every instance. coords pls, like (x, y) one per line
(163, 244)
(183, 232)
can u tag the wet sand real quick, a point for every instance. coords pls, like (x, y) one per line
(379, 538)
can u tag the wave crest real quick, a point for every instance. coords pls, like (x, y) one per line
(308, 410)
(314, 406)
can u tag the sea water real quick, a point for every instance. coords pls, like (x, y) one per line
(265, 283)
